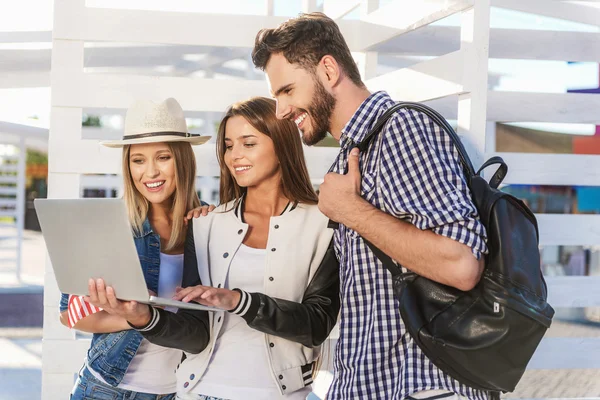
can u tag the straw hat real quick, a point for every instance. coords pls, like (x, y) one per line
(148, 122)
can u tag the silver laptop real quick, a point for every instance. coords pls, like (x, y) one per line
(92, 238)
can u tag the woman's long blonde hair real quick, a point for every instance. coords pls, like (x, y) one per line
(184, 198)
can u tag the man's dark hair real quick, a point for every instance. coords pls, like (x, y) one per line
(304, 41)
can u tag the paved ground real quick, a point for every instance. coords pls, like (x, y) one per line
(21, 344)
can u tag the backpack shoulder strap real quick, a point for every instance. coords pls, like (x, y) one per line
(436, 118)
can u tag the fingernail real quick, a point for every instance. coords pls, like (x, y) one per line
(354, 151)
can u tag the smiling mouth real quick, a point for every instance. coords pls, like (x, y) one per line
(154, 185)
(242, 169)
(299, 119)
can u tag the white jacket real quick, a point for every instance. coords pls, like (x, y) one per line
(297, 243)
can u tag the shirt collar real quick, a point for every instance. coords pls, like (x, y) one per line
(146, 229)
(364, 118)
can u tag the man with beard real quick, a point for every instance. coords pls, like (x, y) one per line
(406, 194)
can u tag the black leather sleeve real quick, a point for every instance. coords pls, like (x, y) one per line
(187, 330)
(308, 322)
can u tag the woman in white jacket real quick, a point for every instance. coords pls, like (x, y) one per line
(265, 257)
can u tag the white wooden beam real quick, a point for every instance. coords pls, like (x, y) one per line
(73, 22)
(573, 291)
(439, 77)
(337, 9)
(20, 80)
(27, 131)
(551, 169)
(404, 16)
(554, 9)
(576, 108)
(120, 91)
(544, 45)
(26, 37)
(569, 230)
(579, 108)
(523, 44)
(566, 353)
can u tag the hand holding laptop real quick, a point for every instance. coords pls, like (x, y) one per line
(100, 295)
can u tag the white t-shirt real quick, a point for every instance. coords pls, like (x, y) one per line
(152, 368)
(239, 367)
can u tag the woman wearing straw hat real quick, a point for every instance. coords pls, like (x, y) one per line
(266, 254)
(159, 172)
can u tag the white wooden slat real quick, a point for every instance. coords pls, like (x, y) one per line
(7, 168)
(8, 203)
(405, 16)
(573, 291)
(566, 353)
(120, 91)
(579, 108)
(336, 9)
(73, 22)
(7, 179)
(8, 190)
(569, 229)
(551, 169)
(576, 108)
(519, 44)
(524, 44)
(554, 9)
(18, 80)
(438, 77)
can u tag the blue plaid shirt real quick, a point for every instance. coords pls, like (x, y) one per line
(410, 171)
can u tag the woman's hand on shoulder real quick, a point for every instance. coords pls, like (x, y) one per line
(224, 299)
(198, 211)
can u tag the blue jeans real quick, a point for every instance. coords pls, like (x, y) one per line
(197, 397)
(88, 387)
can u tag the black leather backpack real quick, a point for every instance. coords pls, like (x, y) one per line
(484, 337)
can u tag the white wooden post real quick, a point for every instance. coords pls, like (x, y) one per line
(472, 105)
(20, 208)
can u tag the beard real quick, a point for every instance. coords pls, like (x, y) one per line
(320, 110)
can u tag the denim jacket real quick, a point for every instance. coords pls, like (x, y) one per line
(110, 353)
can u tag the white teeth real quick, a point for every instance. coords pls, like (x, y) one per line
(242, 168)
(301, 118)
(155, 184)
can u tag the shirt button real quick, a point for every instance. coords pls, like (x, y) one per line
(186, 384)
(271, 345)
(276, 226)
(273, 249)
(219, 285)
(280, 376)
(225, 255)
(219, 320)
(283, 387)
(240, 231)
(271, 278)
(192, 376)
